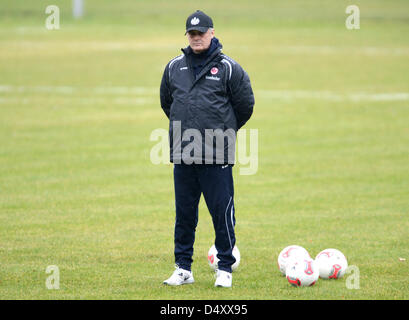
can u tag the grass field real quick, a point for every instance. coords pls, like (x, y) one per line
(78, 189)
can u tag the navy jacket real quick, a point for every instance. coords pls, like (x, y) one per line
(218, 97)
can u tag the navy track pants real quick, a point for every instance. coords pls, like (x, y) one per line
(216, 184)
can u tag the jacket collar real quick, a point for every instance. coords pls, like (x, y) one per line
(214, 49)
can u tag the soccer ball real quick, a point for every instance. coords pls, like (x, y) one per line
(332, 264)
(288, 253)
(213, 260)
(302, 272)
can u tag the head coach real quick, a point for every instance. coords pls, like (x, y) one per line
(207, 96)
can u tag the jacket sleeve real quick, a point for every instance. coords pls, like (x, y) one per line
(165, 95)
(241, 95)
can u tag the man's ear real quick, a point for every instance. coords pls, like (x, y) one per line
(212, 32)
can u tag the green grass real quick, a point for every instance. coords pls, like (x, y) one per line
(78, 189)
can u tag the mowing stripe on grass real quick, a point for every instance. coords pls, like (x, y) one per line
(263, 93)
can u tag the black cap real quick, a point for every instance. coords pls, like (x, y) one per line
(198, 21)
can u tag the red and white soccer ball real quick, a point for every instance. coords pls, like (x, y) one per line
(332, 264)
(290, 253)
(302, 272)
(213, 260)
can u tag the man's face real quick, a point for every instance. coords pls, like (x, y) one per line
(200, 41)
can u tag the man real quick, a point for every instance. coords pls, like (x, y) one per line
(207, 96)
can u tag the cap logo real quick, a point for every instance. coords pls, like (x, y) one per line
(195, 21)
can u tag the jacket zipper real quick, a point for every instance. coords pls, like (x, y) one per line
(205, 69)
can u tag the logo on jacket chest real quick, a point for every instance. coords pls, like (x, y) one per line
(213, 73)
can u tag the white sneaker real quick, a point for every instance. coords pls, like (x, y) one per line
(180, 276)
(223, 279)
